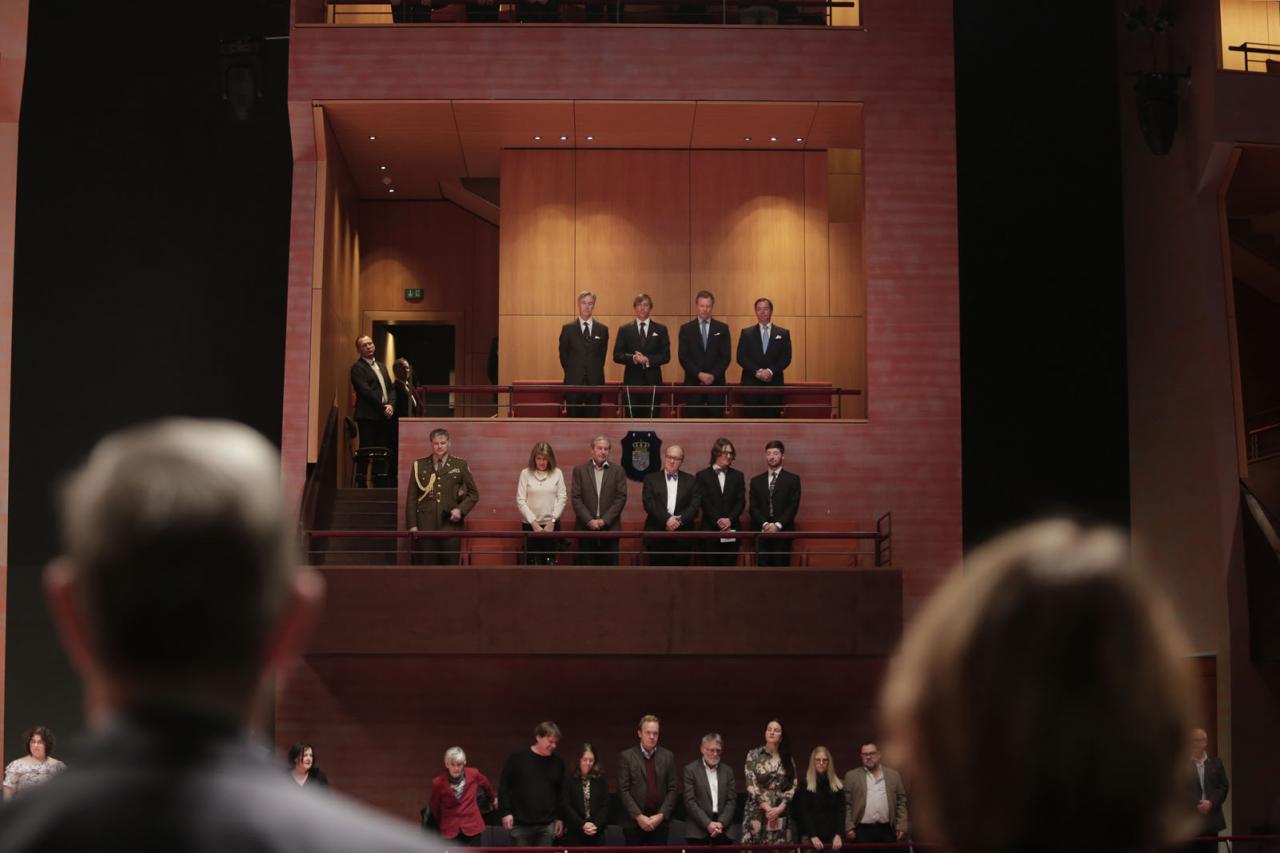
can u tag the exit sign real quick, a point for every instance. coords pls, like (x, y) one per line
(413, 294)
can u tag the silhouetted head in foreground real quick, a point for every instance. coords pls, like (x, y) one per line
(1041, 700)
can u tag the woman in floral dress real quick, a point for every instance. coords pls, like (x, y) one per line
(771, 783)
(36, 767)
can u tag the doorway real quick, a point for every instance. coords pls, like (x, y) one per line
(430, 348)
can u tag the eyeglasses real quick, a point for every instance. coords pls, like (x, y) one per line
(726, 453)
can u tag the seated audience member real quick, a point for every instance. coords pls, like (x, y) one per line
(36, 767)
(454, 800)
(775, 501)
(541, 497)
(584, 342)
(303, 769)
(771, 784)
(764, 354)
(179, 597)
(819, 803)
(647, 787)
(710, 795)
(722, 491)
(1207, 783)
(704, 355)
(670, 497)
(876, 800)
(642, 347)
(586, 802)
(531, 790)
(1051, 662)
(599, 496)
(440, 494)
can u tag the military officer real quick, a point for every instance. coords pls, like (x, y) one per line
(441, 492)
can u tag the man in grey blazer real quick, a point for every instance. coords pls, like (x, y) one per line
(647, 787)
(877, 800)
(599, 496)
(710, 796)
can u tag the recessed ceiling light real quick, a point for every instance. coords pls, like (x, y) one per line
(537, 139)
(382, 168)
(564, 139)
(372, 137)
(773, 139)
(746, 139)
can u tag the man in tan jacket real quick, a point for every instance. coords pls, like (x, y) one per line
(877, 800)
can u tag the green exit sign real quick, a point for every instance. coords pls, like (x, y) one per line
(413, 294)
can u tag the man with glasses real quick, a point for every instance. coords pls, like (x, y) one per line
(877, 801)
(722, 492)
(670, 498)
(710, 796)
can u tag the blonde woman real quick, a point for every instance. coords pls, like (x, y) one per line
(820, 803)
(541, 497)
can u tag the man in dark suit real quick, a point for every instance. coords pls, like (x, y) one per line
(375, 403)
(646, 787)
(583, 345)
(599, 496)
(723, 496)
(704, 355)
(407, 404)
(764, 353)
(178, 599)
(643, 347)
(440, 494)
(670, 498)
(710, 796)
(775, 500)
(1208, 787)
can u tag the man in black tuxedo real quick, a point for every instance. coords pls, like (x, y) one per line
(1208, 787)
(775, 500)
(583, 344)
(764, 352)
(375, 403)
(704, 355)
(722, 492)
(178, 599)
(670, 498)
(643, 347)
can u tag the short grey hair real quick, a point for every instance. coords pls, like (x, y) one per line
(603, 438)
(712, 737)
(455, 755)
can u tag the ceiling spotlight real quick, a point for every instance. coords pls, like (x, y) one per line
(382, 168)
(773, 139)
(564, 139)
(537, 139)
(372, 137)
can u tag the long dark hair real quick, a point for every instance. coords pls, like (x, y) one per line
(597, 769)
(295, 753)
(784, 750)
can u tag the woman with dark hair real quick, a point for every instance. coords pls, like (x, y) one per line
(541, 497)
(586, 801)
(455, 798)
(771, 783)
(36, 767)
(302, 766)
(820, 803)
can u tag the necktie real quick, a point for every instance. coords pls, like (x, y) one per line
(704, 334)
(586, 331)
(644, 330)
(773, 481)
(764, 339)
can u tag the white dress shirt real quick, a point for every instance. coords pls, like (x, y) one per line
(673, 487)
(877, 809)
(713, 785)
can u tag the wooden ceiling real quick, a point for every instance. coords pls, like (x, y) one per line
(422, 143)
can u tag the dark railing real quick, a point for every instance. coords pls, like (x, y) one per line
(777, 848)
(1263, 49)
(1263, 442)
(879, 540)
(533, 399)
(724, 12)
(317, 494)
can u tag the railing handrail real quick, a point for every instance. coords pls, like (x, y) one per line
(809, 390)
(873, 535)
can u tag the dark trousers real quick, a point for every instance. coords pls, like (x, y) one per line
(637, 837)
(639, 402)
(876, 832)
(775, 551)
(542, 551)
(668, 552)
(762, 405)
(721, 840)
(437, 552)
(575, 838)
(583, 405)
(536, 835)
(717, 553)
(465, 840)
(379, 433)
(597, 552)
(704, 405)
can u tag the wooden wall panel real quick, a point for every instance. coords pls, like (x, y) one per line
(528, 347)
(835, 349)
(848, 290)
(632, 227)
(817, 283)
(537, 238)
(747, 227)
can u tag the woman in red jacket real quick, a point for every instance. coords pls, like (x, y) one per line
(454, 795)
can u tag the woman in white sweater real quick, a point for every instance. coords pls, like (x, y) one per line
(541, 496)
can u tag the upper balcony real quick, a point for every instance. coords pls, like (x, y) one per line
(1250, 32)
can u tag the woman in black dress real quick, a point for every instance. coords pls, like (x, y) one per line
(586, 801)
(820, 804)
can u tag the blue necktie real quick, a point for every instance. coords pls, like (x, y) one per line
(704, 334)
(764, 339)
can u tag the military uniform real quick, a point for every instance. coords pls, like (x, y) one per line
(433, 493)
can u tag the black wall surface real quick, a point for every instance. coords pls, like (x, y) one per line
(152, 261)
(152, 249)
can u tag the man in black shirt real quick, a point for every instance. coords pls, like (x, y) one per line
(529, 790)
